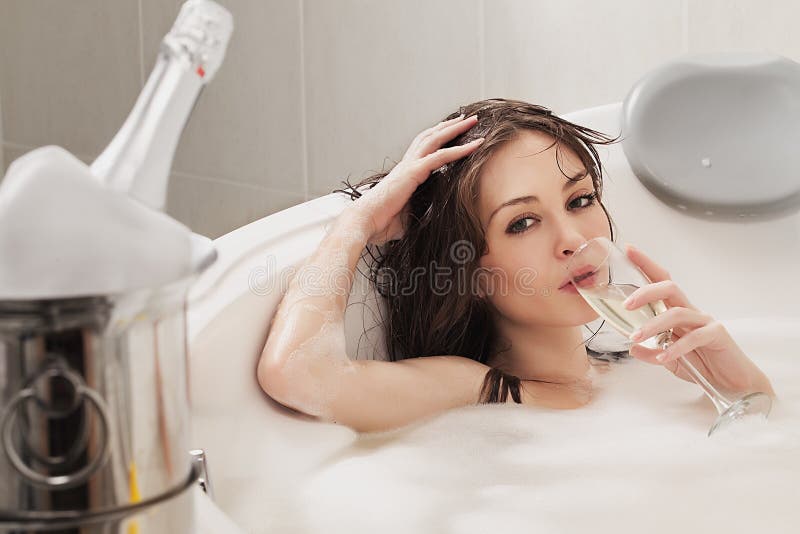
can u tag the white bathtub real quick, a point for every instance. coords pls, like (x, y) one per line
(637, 457)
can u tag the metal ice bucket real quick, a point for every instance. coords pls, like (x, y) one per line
(94, 414)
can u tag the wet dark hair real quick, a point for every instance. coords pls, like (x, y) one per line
(443, 214)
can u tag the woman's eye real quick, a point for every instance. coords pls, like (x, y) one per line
(590, 197)
(520, 225)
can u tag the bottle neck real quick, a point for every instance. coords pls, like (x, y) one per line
(139, 158)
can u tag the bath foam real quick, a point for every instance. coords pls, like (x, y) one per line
(64, 234)
(637, 458)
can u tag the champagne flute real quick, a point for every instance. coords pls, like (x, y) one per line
(605, 277)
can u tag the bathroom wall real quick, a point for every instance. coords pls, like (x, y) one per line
(2, 161)
(315, 91)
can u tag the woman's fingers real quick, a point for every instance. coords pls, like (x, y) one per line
(383, 208)
(432, 139)
(413, 149)
(640, 352)
(400, 183)
(443, 124)
(447, 129)
(436, 159)
(673, 318)
(439, 137)
(662, 287)
(666, 290)
(654, 271)
(682, 321)
(695, 339)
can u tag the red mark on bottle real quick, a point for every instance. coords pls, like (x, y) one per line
(200, 71)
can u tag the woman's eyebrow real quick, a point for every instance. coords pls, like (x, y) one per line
(571, 182)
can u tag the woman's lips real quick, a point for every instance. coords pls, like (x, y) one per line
(586, 278)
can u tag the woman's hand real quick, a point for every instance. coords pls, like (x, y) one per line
(696, 335)
(383, 208)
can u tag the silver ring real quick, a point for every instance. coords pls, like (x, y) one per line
(70, 376)
(60, 481)
(68, 457)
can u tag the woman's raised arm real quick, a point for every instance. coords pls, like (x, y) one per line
(304, 364)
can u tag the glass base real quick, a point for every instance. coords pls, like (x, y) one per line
(752, 404)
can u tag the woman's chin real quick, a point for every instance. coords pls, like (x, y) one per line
(583, 313)
(589, 316)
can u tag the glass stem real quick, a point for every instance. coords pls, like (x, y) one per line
(720, 401)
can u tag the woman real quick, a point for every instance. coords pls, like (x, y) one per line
(494, 200)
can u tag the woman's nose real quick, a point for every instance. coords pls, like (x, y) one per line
(570, 241)
(571, 233)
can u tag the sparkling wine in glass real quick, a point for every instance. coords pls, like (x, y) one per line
(605, 277)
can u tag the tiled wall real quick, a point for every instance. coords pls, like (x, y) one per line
(313, 91)
(2, 161)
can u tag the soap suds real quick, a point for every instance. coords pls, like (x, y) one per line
(636, 456)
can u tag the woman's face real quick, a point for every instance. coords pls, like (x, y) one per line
(531, 240)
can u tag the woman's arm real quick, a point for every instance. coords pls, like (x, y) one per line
(304, 361)
(305, 347)
(304, 365)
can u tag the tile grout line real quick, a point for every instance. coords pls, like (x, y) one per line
(2, 155)
(685, 26)
(17, 146)
(182, 174)
(482, 46)
(303, 110)
(224, 181)
(25, 146)
(141, 45)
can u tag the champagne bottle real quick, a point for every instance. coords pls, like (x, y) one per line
(139, 158)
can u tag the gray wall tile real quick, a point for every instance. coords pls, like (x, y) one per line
(2, 158)
(729, 25)
(378, 73)
(573, 54)
(70, 71)
(214, 208)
